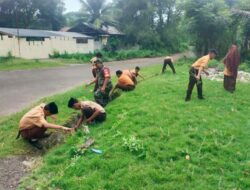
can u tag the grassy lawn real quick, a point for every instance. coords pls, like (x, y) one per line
(146, 138)
(9, 64)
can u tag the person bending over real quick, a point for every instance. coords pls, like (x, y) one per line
(91, 111)
(124, 82)
(130, 75)
(195, 74)
(136, 72)
(33, 124)
(168, 61)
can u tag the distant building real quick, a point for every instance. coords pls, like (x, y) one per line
(100, 35)
(39, 44)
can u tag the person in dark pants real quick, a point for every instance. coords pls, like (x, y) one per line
(33, 124)
(168, 61)
(91, 111)
(195, 74)
(103, 83)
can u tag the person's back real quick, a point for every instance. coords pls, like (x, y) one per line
(124, 79)
(201, 62)
(168, 61)
(128, 73)
(33, 124)
(34, 118)
(92, 105)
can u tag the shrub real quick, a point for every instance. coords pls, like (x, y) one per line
(111, 56)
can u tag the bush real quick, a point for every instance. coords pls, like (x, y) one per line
(112, 56)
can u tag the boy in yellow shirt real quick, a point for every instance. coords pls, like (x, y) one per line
(195, 74)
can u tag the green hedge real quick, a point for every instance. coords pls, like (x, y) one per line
(111, 56)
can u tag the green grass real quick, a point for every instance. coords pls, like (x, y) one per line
(9, 64)
(215, 133)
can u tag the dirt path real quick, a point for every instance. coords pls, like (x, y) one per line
(21, 88)
(14, 168)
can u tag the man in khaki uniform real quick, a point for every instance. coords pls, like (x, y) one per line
(195, 74)
(33, 124)
(93, 62)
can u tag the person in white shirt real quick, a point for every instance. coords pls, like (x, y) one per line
(91, 111)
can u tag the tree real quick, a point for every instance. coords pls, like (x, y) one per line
(152, 24)
(46, 14)
(97, 12)
(242, 15)
(208, 24)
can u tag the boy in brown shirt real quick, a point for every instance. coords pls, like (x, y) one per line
(33, 124)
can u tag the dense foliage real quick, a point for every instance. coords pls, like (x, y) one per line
(148, 24)
(111, 56)
(45, 14)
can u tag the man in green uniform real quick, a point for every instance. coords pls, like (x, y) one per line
(103, 82)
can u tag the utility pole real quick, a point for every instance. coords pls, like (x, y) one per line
(17, 27)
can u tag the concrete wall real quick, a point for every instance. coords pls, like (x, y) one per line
(42, 49)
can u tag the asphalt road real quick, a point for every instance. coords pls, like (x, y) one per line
(19, 89)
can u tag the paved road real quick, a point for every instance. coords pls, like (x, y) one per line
(19, 89)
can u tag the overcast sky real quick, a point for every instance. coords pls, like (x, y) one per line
(72, 5)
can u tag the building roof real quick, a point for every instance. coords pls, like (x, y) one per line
(25, 32)
(39, 33)
(70, 34)
(91, 30)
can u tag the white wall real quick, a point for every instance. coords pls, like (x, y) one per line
(7, 45)
(42, 49)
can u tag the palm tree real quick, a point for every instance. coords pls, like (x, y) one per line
(97, 12)
(242, 13)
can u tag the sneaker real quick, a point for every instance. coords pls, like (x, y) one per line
(36, 144)
(187, 99)
(201, 98)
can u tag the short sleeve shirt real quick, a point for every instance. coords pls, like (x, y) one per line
(92, 105)
(34, 118)
(125, 80)
(128, 73)
(106, 72)
(202, 62)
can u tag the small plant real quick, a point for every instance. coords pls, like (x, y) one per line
(74, 152)
(133, 145)
(9, 55)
